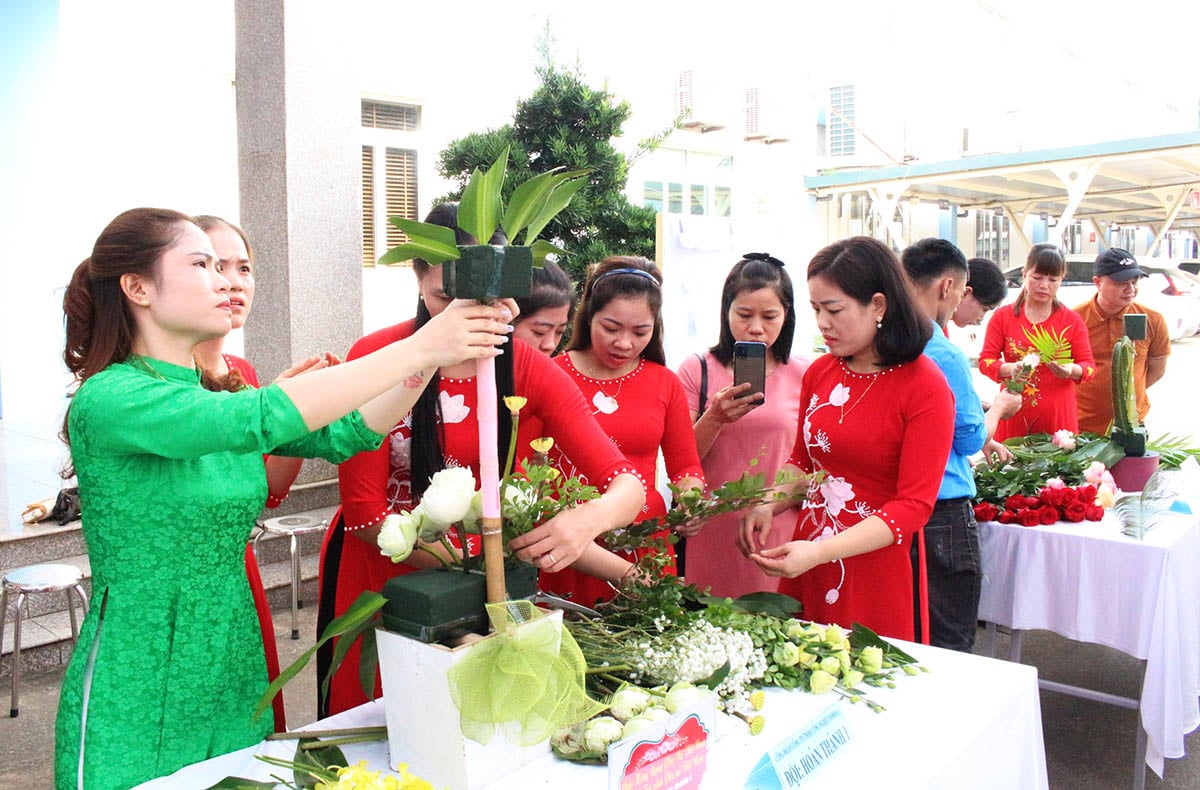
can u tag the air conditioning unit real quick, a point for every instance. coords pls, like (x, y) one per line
(704, 102)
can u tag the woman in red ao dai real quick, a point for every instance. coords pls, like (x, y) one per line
(877, 419)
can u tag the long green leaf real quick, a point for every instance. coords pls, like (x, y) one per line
(340, 649)
(241, 783)
(526, 202)
(567, 184)
(479, 208)
(360, 612)
(433, 244)
(774, 604)
(313, 765)
(368, 662)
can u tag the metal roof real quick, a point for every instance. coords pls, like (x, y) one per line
(1144, 181)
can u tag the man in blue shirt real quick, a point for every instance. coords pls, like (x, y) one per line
(938, 273)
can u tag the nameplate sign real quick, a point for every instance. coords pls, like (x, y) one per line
(672, 755)
(791, 762)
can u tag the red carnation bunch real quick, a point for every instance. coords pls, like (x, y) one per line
(1053, 503)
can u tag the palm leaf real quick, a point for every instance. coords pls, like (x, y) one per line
(1051, 346)
(566, 185)
(1141, 512)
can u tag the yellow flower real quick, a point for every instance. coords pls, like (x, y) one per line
(757, 699)
(515, 403)
(541, 445)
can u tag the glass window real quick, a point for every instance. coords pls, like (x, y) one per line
(652, 195)
(675, 198)
(722, 201)
(699, 201)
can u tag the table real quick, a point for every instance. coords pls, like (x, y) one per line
(1090, 583)
(971, 721)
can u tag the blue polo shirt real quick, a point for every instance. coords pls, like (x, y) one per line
(969, 430)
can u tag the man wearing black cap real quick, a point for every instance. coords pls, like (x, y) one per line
(1116, 277)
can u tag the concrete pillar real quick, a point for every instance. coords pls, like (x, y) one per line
(298, 118)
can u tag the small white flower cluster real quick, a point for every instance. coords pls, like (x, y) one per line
(700, 650)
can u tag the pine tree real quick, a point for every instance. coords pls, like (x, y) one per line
(566, 123)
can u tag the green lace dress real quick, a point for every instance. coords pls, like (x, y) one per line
(169, 662)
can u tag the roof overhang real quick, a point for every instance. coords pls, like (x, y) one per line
(1143, 181)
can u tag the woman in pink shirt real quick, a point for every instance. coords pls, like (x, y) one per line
(734, 429)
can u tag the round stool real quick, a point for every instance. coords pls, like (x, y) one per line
(29, 580)
(293, 527)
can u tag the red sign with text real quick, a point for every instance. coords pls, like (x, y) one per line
(676, 761)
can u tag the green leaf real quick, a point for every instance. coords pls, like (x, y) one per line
(567, 184)
(479, 209)
(525, 202)
(861, 636)
(368, 662)
(313, 764)
(717, 678)
(361, 612)
(340, 649)
(433, 244)
(542, 248)
(773, 604)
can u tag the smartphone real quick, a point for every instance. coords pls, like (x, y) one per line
(750, 365)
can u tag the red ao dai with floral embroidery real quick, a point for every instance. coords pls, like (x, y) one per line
(882, 440)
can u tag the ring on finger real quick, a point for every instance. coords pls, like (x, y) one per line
(551, 556)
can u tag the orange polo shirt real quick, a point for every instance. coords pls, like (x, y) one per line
(1095, 397)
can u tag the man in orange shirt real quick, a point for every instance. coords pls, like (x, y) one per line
(1116, 277)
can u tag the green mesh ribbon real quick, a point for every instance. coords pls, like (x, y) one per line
(526, 680)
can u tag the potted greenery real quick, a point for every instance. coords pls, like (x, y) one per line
(1132, 471)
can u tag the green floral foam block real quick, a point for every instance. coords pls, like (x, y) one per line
(489, 272)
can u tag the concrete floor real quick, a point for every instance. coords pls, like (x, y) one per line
(1089, 746)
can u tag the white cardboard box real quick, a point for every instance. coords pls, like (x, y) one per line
(423, 723)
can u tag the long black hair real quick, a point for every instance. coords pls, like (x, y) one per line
(426, 450)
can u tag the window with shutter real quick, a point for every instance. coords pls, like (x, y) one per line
(389, 173)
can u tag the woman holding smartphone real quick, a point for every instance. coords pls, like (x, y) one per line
(735, 426)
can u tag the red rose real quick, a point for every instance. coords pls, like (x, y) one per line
(1014, 502)
(1052, 496)
(1007, 516)
(1029, 517)
(1086, 494)
(1069, 497)
(986, 511)
(1094, 513)
(1047, 514)
(1075, 512)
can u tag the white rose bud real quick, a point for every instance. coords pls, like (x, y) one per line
(636, 725)
(628, 702)
(600, 732)
(1031, 361)
(397, 536)
(831, 665)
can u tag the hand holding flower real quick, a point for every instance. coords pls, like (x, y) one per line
(754, 528)
(789, 560)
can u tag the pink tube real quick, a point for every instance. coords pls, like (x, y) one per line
(489, 461)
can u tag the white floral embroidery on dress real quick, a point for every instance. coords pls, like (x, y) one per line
(454, 409)
(840, 395)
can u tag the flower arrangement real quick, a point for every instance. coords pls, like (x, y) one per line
(1019, 382)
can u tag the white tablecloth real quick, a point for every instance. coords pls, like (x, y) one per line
(1089, 582)
(970, 722)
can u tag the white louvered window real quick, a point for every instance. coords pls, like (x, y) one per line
(389, 173)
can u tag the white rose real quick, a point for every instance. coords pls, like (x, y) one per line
(474, 515)
(398, 536)
(683, 694)
(448, 498)
(1031, 361)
